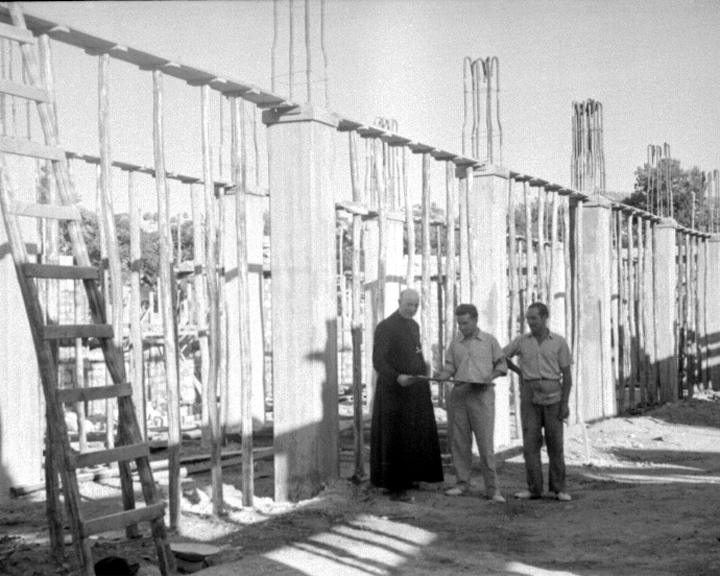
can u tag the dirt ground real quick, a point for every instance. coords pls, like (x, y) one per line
(646, 501)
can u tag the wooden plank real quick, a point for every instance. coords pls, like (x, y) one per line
(14, 33)
(24, 91)
(77, 331)
(72, 395)
(28, 148)
(60, 272)
(52, 211)
(123, 519)
(118, 454)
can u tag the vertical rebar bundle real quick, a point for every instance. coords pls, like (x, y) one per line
(588, 157)
(481, 86)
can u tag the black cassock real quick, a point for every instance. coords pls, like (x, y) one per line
(404, 445)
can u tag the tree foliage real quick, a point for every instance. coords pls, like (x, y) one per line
(688, 192)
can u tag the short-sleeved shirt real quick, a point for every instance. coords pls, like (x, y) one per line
(473, 358)
(540, 361)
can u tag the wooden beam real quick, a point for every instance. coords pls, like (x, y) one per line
(21, 147)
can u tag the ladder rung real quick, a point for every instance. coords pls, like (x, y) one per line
(29, 148)
(123, 519)
(15, 33)
(58, 332)
(54, 211)
(24, 91)
(60, 272)
(73, 395)
(119, 454)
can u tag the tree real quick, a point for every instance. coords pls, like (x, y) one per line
(688, 192)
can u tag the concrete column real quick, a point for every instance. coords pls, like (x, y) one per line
(256, 207)
(487, 222)
(304, 300)
(595, 388)
(22, 418)
(712, 310)
(665, 309)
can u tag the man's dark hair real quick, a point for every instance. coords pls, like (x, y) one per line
(541, 308)
(463, 309)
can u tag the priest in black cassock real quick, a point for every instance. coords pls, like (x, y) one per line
(404, 445)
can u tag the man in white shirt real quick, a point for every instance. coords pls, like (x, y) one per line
(474, 359)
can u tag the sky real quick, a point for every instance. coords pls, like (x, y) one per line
(654, 66)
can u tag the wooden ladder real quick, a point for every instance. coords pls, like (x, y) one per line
(59, 457)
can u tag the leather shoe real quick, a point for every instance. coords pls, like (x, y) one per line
(400, 496)
(527, 495)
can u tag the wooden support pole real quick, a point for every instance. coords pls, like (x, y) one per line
(632, 308)
(115, 273)
(409, 225)
(356, 320)
(425, 305)
(530, 292)
(200, 289)
(514, 308)
(621, 310)
(136, 343)
(304, 300)
(541, 267)
(641, 340)
(700, 313)
(240, 180)
(381, 188)
(166, 281)
(214, 317)
(569, 270)
(450, 267)
(465, 184)
(551, 295)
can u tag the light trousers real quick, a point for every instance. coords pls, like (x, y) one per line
(473, 413)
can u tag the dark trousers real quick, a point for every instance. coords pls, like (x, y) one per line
(534, 419)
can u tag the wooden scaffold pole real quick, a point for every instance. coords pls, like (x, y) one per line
(166, 282)
(214, 317)
(239, 135)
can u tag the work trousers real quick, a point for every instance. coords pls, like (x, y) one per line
(534, 419)
(473, 412)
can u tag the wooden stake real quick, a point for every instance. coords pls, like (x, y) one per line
(530, 293)
(211, 245)
(541, 271)
(240, 180)
(513, 303)
(425, 283)
(464, 243)
(356, 322)
(409, 224)
(137, 352)
(166, 281)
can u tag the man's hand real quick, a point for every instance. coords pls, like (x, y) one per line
(564, 411)
(405, 379)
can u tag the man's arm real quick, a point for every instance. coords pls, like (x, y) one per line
(500, 366)
(566, 386)
(512, 366)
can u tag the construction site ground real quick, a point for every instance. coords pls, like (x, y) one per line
(646, 501)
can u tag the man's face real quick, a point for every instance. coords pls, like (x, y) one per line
(467, 324)
(409, 303)
(535, 321)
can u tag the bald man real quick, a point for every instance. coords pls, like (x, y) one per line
(404, 445)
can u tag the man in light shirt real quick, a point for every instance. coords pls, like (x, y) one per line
(473, 360)
(545, 362)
